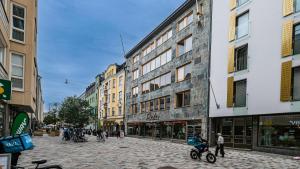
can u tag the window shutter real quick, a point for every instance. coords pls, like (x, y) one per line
(231, 59)
(287, 38)
(286, 80)
(288, 7)
(232, 26)
(232, 4)
(230, 92)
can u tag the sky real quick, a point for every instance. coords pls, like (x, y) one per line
(78, 39)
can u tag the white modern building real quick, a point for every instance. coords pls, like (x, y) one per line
(255, 74)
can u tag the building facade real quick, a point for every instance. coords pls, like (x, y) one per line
(91, 96)
(167, 76)
(112, 98)
(18, 35)
(255, 75)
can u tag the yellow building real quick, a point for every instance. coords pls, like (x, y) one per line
(112, 98)
(18, 39)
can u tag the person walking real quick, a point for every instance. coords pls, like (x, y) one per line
(220, 145)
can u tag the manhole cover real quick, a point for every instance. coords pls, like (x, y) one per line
(167, 167)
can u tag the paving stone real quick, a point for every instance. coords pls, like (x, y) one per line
(133, 153)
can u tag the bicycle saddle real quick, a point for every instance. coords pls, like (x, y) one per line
(39, 162)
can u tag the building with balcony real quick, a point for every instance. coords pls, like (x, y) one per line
(255, 74)
(167, 76)
(111, 92)
(91, 96)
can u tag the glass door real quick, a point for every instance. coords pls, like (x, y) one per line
(239, 130)
(226, 131)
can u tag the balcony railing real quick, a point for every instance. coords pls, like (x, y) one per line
(3, 16)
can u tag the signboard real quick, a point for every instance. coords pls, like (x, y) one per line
(20, 123)
(5, 89)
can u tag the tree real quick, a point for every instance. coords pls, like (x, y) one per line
(50, 119)
(75, 111)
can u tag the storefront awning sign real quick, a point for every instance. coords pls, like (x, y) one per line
(5, 89)
(20, 123)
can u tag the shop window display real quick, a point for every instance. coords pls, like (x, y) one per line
(179, 131)
(280, 131)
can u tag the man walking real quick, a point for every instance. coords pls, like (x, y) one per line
(220, 145)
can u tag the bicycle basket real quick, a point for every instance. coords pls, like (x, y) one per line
(16, 144)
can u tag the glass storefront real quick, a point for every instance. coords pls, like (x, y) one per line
(179, 131)
(166, 130)
(280, 131)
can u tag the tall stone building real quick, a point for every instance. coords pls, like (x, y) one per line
(18, 60)
(255, 74)
(167, 76)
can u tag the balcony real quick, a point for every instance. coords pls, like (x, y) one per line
(4, 18)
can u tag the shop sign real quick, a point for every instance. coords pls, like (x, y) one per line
(295, 123)
(20, 123)
(152, 116)
(5, 89)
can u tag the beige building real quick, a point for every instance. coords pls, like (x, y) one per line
(112, 98)
(18, 37)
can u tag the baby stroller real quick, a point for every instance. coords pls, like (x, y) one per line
(200, 147)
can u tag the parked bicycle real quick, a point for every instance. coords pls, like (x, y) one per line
(38, 163)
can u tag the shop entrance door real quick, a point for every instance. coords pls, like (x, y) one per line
(192, 130)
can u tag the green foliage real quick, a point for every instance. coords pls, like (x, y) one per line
(75, 111)
(50, 119)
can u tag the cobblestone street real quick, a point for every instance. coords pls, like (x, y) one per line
(142, 153)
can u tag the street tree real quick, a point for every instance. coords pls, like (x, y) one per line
(75, 111)
(50, 119)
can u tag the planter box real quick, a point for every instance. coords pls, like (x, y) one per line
(54, 133)
(38, 133)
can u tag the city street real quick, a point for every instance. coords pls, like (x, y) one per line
(142, 153)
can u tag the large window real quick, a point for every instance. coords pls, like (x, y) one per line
(136, 58)
(296, 39)
(280, 131)
(160, 60)
(17, 73)
(157, 83)
(149, 49)
(184, 46)
(134, 108)
(120, 81)
(242, 25)
(240, 59)
(241, 2)
(297, 5)
(18, 23)
(163, 38)
(240, 93)
(2, 55)
(135, 74)
(120, 111)
(183, 99)
(135, 91)
(185, 22)
(157, 104)
(184, 72)
(296, 83)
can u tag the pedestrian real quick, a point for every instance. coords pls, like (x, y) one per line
(118, 134)
(220, 145)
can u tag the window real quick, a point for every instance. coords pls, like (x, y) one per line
(113, 111)
(17, 73)
(151, 105)
(240, 93)
(2, 55)
(160, 60)
(135, 91)
(184, 46)
(185, 21)
(156, 104)
(149, 49)
(18, 23)
(147, 104)
(241, 2)
(136, 58)
(120, 96)
(242, 25)
(134, 108)
(297, 5)
(296, 40)
(162, 103)
(168, 102)
(120, 81)
(113, 97)
(296, 83)
(163, 38)
(240, 59)
(108, 110)
(183, 99)
(143, 107)
(156, 83)
(114, 83)
(184, 73)
(135, 74)
(120, 110)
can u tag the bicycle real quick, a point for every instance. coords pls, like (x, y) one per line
(38, 163)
